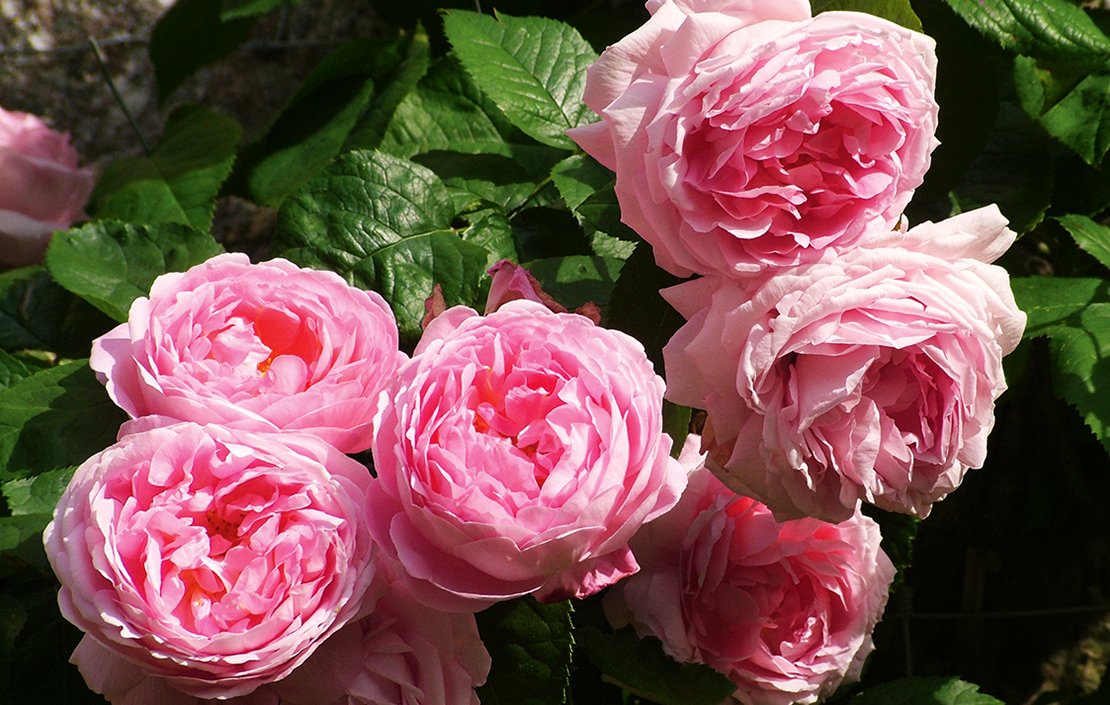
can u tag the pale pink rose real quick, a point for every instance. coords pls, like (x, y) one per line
(215, 559)
(256, 346)
(519, 453)
(41, 187)
(785, 610)
(868, 376)
(745, 134)
(402, 653)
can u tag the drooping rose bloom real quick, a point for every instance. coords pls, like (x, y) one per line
(41, 187)
(745, 134)
(519, 453)
(402, 653)
(871, 375)
(256, 346)
(217, 560)
(785, 610)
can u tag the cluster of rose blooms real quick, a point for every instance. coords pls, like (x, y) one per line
(228, 547)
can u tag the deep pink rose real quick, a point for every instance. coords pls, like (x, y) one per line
(871, 375)
(745, 134)
(785, 610)
(519, 453)
(214, 559)
(402, 653)
(256, 346)
(41, 188)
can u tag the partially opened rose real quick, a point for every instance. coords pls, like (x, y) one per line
(869, 376)
(518, 454)
(258, 346)
(745, 134)
(215, 559)
(785, 610)
(41, 187)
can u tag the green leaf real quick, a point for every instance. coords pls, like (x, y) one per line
(1077, 114)
(924, 691)
(16, 531)
(1081, 368)
(1092, 237)
(1014, 170)
(493, 233)
(36, 495)
(530, 644)
(447, 111)
(234, 9)
(383, 223)
(179, 182)
(110, 264)
(578, 177)
(1052, 30)
(190, 35)
(54, 419)
(1075, 316)
(897, 11)
(1055, 301)
(133, 190)
(533, 68)
(12, 369)
(641, 666)
(603, 211)
(315, 124)
(492, 177)
(38, 314)
(411, 64)
(577, 280)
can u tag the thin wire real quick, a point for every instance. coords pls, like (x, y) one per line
(119, 99)
(260, 45)
(1047, 612)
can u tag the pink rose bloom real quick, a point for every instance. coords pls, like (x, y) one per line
(261, 347)
(785, 610)
(871, 375)
(41, 188)
(511, 282)
(402, 653)
(745, 134)
(519, 454)
(217, 560)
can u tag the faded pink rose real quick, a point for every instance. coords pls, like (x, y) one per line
(402, 653)
(745, 133)
(256, 346)
(41, 187)
(785, 610)
(868, 376)
(214, 559)
(519, 453)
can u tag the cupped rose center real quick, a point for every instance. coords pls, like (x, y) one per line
(766, 164)
(264, 348)
(515, 407)
(230, 556)
(916, 398)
